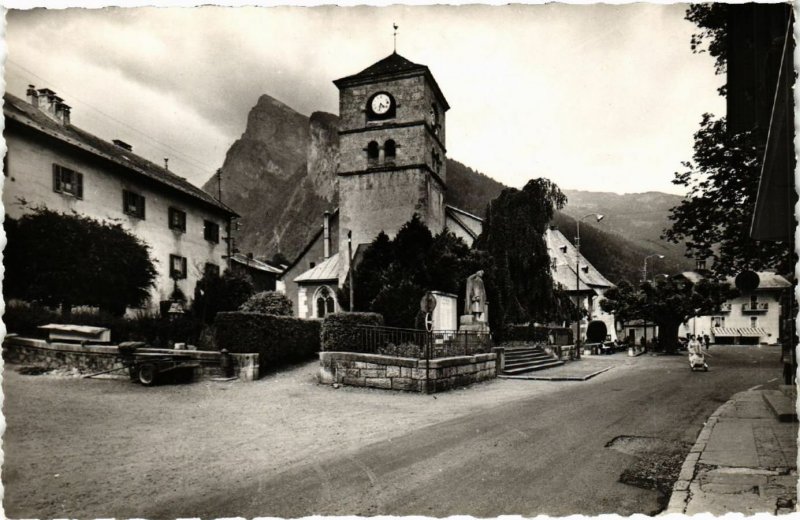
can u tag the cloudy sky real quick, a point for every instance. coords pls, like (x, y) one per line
(595, 97)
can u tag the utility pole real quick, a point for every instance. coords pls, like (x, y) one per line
(351, 268)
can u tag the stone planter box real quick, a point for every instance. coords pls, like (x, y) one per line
(411, 374)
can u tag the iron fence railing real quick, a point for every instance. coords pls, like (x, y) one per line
(420, 344)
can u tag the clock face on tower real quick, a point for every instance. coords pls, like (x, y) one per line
(381, 106)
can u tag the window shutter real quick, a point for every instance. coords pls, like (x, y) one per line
(183, 267)
(56, 178)
(79, 185)
(140, 206)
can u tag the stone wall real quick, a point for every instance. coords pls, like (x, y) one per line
(395, 373)
(97, 358)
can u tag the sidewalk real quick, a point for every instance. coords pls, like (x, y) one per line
(744, 460)
(581, 370)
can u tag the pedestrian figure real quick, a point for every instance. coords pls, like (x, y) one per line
(706, 340)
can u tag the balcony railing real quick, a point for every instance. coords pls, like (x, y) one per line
(725, 307)
(755, 307)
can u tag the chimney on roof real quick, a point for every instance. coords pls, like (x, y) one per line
(122, 144)
(49, 103)
(166, 163)
(32, 95)
(62, 113)
(326, 235)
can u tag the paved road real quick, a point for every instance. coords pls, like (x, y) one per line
(540, 455)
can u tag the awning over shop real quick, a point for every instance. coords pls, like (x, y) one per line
(753, 332)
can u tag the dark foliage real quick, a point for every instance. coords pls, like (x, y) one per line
(278, 340)
(157, 331)
(513, 235)
(220, 293)
(715, 216)
(69, 260)
(712, 21)
(538, 334)
(668, 303)
(338, 332)
(268, 302)
(393, 275)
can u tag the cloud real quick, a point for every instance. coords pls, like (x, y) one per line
(595, 97)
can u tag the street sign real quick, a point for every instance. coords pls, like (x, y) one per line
(428, 322)
(428, 303)
(747, 281)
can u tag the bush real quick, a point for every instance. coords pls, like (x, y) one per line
(155, 330)
(24, 319)
(268, 302)
(277, 340)
(339, 330)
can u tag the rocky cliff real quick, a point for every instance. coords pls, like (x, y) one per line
(281, 176)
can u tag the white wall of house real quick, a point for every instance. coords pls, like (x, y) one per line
(765, 315)
(30, 178)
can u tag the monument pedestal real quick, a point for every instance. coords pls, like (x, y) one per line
(468, 322)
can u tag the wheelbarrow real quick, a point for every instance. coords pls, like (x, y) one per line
(148, 368)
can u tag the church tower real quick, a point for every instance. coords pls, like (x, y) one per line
(392, 151)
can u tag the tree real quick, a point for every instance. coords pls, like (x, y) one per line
(715, 216)
(668, 303)
(723, 180)
(393, 275)
(214, 293)
(268, 302)
(68, 260)
(513, 234)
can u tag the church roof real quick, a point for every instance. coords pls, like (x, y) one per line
(565, 257)
(326, 271)
(391, 66)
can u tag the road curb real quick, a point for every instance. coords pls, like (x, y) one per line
(558, 378)
(679, 499)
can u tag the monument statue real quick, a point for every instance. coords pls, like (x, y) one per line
(476, 295)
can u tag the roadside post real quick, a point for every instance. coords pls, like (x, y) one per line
(427, 306)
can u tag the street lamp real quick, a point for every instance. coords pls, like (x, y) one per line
(644, 279)
(644, 271)
(598, 217)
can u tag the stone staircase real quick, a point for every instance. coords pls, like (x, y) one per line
(521, 360)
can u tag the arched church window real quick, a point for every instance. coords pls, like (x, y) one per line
(325, 303)
(373, 152)
(390, 150)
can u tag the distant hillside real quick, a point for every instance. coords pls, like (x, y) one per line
(281, 176)
(469, 189)
(637, 217)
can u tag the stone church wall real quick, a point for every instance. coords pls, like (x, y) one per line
(384, 201)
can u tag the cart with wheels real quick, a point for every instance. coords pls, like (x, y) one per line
(148, 368)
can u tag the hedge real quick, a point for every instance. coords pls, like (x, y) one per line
(537, 334)
(277, 340)
(339, 330)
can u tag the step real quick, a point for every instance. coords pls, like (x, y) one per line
(521, 362)
(783, 407)
(526, 369)
(539, 355)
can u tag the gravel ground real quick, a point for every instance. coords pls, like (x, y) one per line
(91, 448)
